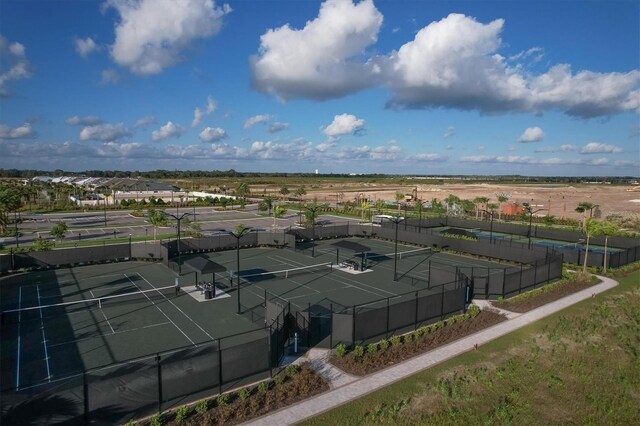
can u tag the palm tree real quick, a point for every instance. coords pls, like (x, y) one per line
(300, 192)
(583, 207)
(156, 218)
(284, 191)
(478, 201)
(607, 229)
(242, 190)
(591, 228)
(502, 198)
(450, 201)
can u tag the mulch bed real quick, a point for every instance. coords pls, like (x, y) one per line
(533, 302)
(371, 362)
(283, 392)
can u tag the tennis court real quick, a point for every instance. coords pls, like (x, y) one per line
(58, 323)
(304, 280)
(542, 242)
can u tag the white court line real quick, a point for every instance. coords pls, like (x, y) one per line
(19, 335)
(110, 334)
(181, 311)
(105, 317)
(162, 312)
(44, 337)
(355, 284)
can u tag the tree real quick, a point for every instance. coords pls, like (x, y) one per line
(223, 202)
(583, 207)
(43, 245)
(242, 190)
(591, 228)
(502, 198)
(607, 229)
(365, 208)
(59, 230)
(478, 201)
(284, 191)
(450, 201)
(399, 197)
(157, 218)
(300, 192)
(266, 204)
(10, 201)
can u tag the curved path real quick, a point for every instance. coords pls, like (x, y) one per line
(346, 388)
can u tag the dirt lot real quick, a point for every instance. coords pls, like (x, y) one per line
(560, 200)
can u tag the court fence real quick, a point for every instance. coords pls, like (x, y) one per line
(144, 386)
(623, 250)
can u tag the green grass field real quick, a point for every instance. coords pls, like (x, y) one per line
(579, 366)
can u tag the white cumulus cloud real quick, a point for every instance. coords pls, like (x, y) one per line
(277, 127)
(25, 131)
(200, 113)
(451, 131)
(151, 34)
(105, 132)
(144, 121)
(321, 60)
(531, 134)
(561, 148)
(344, 124)
(169, 130)
(212, 134)
(600, 148)
(256, 119)
(87, 120)
(84, 47)
(13, 64)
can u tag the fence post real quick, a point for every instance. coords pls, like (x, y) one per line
(386, 335)
(415, 321)
(85, 396)
(535, 274)
(353, 327)
(159, 383)
(220, 363)
(504, 275)
(331, 327)
(549, 270)
(520, 284)
(429, 276)
(442, 303)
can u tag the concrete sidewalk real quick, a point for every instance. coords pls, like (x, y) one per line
(362, 386)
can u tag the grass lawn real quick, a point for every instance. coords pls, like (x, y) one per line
(579, 366)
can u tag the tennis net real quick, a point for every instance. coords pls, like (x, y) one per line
(401, 254)
(65, 308)
(286, 273)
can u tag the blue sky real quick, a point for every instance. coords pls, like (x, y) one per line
(410, 87)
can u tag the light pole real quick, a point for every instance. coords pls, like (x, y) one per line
(529, 210)
(15, 222)
(129, 246)
(405, 216)
(397, 219)
(105, 210)
(146, 235)
(178, 219)
(491, 213)
(238, 234)
(78, 242)
(420, 216)
(313, 210)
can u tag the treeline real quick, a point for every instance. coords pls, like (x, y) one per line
(413, 179)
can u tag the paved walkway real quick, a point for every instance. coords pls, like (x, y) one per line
(362, 386)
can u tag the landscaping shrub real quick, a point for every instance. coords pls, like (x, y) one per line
(341, 350)
(202, 406)
(182, 413)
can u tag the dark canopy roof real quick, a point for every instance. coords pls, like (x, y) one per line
(350, 245)
(204, 265)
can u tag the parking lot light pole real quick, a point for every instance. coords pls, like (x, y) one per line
(15, 222)
(179, 219)
(105, 211)
(396, 220)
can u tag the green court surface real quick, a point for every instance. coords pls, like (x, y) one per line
(523, 239)
(42, 343)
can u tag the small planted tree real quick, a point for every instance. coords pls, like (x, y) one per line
(157, 218)
(284, 191)
(59, 230)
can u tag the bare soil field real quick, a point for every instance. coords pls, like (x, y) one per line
(560, 200)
